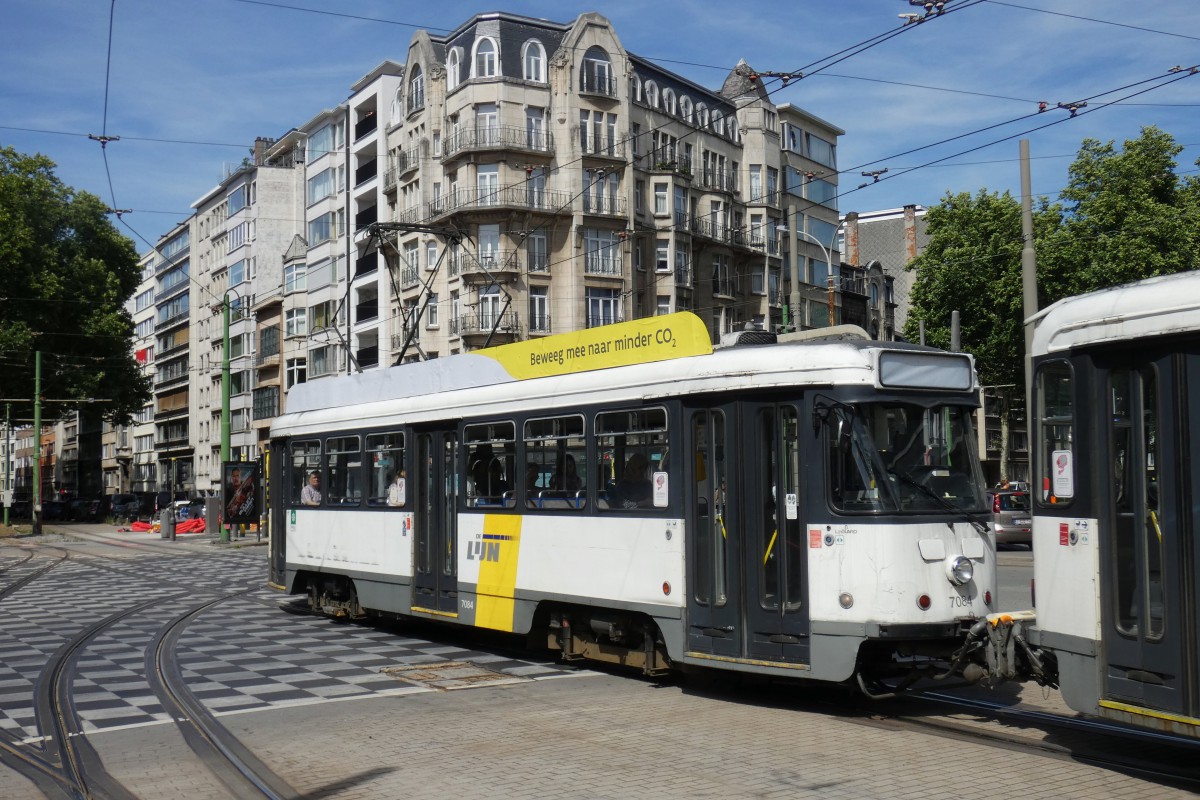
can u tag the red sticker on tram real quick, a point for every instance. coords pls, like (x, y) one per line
(1064, 536)
(814, 537)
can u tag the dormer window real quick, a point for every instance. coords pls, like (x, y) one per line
(485, 58)
(453, 69)
(534, 60)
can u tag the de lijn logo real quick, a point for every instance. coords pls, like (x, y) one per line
(487, 547)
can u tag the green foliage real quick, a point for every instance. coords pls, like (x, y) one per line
(1125, 216)
(67, 274)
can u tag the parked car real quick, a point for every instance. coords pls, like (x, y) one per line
(1011, 519)
(127, 506)
(54, 510)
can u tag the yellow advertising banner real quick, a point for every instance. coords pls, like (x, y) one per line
(641, 341)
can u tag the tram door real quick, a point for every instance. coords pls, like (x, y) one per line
(435, 581)
(775, 555)
(1147, 514)
(714, 601)
(747, 560)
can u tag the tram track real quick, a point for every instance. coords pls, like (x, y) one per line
(1137, 753)
(62, 763)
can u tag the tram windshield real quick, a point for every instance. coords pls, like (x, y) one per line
(902, 457)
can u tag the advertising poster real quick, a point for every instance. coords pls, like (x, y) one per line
(239, 494)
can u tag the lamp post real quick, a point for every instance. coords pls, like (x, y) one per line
(796, 276)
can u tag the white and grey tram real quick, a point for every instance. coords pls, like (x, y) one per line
(1116, 522)
(630, 494)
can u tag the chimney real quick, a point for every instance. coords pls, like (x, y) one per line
(851, 255)
(261, 146)
(910, 233)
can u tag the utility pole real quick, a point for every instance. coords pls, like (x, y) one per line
(225, 381)
(7, 457)
(1028, 279)
(37, 442)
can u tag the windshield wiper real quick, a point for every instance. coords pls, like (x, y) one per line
(946, 505)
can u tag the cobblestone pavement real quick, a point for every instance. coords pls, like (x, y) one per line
(416, 711)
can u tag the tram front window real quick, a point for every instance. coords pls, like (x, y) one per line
(902, 457)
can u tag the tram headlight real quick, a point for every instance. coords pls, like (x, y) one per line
(960, 570)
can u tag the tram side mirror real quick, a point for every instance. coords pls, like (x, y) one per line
(840, 423)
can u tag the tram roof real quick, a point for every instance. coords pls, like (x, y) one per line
(486, 377)
(1161, 306)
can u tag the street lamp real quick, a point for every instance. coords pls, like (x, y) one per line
(796, 270)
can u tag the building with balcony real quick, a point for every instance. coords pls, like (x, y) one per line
(243, 226)
(539, 179)
(173, 356)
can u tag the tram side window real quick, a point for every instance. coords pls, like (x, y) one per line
(305, 460)
(555, 463)
(491, 464)
(343, 460)
(1056, 421)
(633, 459)
(389, 478)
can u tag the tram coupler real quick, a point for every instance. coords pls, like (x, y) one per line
(1007, 654)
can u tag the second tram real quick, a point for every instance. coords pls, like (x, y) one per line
(1117, 500)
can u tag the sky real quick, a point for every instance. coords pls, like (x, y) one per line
(185, 86)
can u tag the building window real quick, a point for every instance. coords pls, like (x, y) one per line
(416, 89)
(294, 278)
(660, 199)
(294, 322)
(485, 58)
(534, 59)
(431, 311)
(453, 69)
(296, 372)
(662, 256)
(595, 74)
(539, 309)
(537, 252)
(603, 306)
(663, 305)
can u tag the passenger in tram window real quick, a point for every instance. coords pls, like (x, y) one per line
(397, 489)
(311, 495)
(567, 476)
(634, 488)
(496, 484)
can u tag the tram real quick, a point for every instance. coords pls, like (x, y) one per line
(809, 508)
(1116, 520)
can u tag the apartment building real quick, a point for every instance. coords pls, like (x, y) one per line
(242, 229)
(542, 179)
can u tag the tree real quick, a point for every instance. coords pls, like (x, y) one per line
(1127, 217)
(67, 275)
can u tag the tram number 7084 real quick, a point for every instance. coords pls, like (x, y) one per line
(961, 600)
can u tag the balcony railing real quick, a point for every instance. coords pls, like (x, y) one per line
(608, 206)
(597, 83)
(366, 310)
(539, 323)
(491, 265)
(718, 180)
(603, 146)
(366, 172)
(366, 264)
(409, 277)
(597, 320)
(364, 126)
(399, 165)
(668, 160)
(497, 137)
(367, 356)
(365, 217)
(508, 197)
(683, 276)
(483, 323)
(608, 266)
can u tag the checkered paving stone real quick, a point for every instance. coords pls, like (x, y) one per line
(243, 654)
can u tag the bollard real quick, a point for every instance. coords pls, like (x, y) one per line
(166, 524)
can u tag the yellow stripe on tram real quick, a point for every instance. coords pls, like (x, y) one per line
(498, 579)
